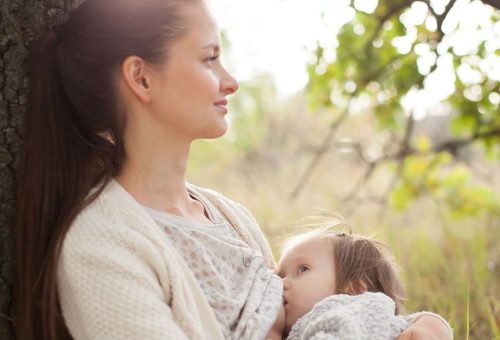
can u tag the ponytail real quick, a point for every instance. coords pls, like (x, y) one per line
(56, 173)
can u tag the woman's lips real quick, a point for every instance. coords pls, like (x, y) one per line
(222, 105)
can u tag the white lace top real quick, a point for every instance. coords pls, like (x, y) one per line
(243, 291)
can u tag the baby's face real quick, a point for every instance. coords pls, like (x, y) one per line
(308, 272)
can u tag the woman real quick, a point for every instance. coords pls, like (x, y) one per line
(111, 240)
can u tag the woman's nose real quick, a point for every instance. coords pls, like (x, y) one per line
(228, 84)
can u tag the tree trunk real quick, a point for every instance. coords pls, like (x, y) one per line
(21, 22)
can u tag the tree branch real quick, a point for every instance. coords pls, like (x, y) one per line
(372, 165)
(439, 22)
(451, 146)
(361, 182)
(405, 151)
(440, 18)
(325, 146)
(382, 19)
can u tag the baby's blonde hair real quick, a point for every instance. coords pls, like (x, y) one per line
(361, 263)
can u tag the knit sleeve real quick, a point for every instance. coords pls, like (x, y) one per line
(109, 287)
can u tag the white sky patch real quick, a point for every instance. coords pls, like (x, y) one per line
(367, 6)
(276, 36)
(438, 86)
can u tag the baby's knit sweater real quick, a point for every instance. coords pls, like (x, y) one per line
(368, 316)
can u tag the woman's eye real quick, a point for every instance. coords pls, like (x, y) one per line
(211, 59)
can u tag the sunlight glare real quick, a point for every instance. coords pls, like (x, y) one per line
(367, 6)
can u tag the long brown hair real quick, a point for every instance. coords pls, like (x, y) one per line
(73, 139)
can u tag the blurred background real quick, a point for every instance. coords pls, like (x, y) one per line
(385, 112)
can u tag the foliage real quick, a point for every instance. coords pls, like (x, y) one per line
(453, 185)
(389, 55)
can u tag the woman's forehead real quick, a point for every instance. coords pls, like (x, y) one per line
(202, 32)
(200, 20)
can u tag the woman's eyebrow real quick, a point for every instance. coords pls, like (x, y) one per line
(214, 46)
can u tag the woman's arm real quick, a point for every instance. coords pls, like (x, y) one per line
(108, 288)
(428, 326)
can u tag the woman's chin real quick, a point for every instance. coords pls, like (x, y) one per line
(217, 132)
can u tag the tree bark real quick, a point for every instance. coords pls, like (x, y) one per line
(21, 22)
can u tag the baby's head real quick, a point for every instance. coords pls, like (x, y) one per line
(320, 263)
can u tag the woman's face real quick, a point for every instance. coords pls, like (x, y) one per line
(190, 96)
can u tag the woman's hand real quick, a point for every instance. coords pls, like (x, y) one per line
(426, 328)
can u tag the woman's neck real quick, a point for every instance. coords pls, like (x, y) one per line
(156, 177)
(156, 171)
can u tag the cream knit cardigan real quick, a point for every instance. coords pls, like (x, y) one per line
(119, 277)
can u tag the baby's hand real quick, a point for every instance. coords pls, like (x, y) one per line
(426, 328)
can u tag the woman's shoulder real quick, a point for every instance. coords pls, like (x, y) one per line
(112, 215)
(220, 201)
(241, 220)
(207, 193)
(234, 212)
(103, 209)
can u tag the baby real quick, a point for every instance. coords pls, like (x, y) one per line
(341, 286)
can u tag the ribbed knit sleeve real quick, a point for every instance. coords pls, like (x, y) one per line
(109, 286)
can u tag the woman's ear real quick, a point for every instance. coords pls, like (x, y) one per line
(137, 77)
